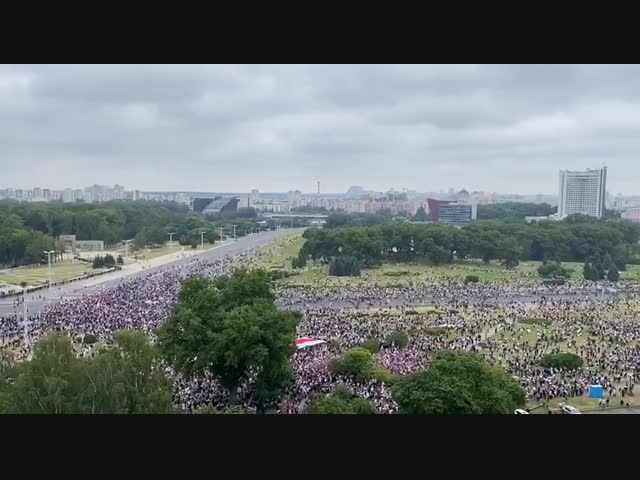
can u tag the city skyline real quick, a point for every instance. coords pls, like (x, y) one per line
(232, 128)
(441, 190)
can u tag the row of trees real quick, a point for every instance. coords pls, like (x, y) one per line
(343, 219)
(108, 261)
(127, 377)
(20, 245)
(109, 221)
(28, 229)
(514, 211)
(517, 211)
(600, 267)
(575, 239)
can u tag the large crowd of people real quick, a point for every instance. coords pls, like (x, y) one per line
(598, 323)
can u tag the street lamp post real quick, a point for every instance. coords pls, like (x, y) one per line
(126, 248)
(49, 253)
(24, 315)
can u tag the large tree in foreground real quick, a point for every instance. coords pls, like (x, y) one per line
(458, 382)
(231, 328)
(126, 377)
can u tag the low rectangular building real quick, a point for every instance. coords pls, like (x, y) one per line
(72, 245)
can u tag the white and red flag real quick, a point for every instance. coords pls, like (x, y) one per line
(305, 342)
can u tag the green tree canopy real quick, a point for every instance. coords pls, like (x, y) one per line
(356, 362)
(127, 377)
(230, 327)
(569, 361)
(421, 215)
(569, 240)
(340, 402)
(344, 266)
(458, 382)
(613, 275)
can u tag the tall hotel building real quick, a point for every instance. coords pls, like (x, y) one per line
(582, 192)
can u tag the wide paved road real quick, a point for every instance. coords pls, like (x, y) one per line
(37, 301)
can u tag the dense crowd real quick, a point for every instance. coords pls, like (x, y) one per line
(598, 323)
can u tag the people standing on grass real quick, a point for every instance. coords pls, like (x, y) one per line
(482, 318)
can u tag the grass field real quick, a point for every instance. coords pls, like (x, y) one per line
(632, 274)
(149, 253)
(38, 275)
(396, 275)
(581, 403)
(278, 255)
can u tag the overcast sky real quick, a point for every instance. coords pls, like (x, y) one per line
(232, 128)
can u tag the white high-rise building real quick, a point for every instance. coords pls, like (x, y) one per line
(68, 195)
(582, 192)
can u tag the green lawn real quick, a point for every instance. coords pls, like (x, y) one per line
(38, 275)
(150, 253)
(278, 255)
(411, 274)
(390, 275)
(632, 274)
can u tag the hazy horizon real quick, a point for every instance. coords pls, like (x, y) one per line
(507, 129)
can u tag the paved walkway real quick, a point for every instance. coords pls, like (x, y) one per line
(614, 411)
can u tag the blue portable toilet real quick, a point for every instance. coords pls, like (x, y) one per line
(596, 391)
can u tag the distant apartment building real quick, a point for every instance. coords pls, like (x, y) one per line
(271, 205)
(254, 196)
(632, 214)
(582, 192)
(68, 195)
(118, 192)
(329, 203)
(393, 206)
(294, 199)
(102, 193)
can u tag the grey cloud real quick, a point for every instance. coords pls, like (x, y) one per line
(237, 127)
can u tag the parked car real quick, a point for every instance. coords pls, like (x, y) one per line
(569, 410)
(520, 411)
